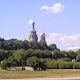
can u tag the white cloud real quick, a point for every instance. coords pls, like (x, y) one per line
(56, 8)
(63, 41)
(7, 38)
(30, 21)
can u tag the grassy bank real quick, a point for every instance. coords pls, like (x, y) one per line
(40, 74)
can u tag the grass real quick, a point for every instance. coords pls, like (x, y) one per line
(18, 74)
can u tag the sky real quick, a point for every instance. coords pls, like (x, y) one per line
(58, 19)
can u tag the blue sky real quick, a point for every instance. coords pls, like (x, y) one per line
(59, 19)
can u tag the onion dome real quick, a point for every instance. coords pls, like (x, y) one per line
(42, 34)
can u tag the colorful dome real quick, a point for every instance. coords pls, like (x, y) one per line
(42, 34)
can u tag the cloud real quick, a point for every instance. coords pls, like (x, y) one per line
(56, 8)
(63, 41)
(30, 21)
(7, 38)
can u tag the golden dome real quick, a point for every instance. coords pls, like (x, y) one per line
(42, 34)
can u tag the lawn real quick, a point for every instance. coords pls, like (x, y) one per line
(16, 74)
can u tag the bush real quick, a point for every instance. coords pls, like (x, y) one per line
(4, 64)
(69, 65)
(76, 65)
(66, 59)
(53, 65)
(62, 65)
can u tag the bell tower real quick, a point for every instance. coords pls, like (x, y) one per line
(33, 35)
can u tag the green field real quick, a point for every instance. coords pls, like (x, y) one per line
(39, 74)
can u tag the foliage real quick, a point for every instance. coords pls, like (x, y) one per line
(4, 64)
(76, 65)
(57, 54)
(78, 58)
(69, 65)
(35, 63)
(53, 47)
(53, 65)
(62, 65)
(20, 56)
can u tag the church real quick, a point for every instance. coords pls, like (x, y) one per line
(33, 36)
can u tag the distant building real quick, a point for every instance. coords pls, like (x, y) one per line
(42, 37)
(73, 48)
(33, 35)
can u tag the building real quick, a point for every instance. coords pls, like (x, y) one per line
(73, 48)
(42, 37)
(33, 35)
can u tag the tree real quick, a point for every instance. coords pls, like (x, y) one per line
(11, 61)
(43, 45)
(34, 45)
(3, 54)
(78, 58)
(38, 53)
(20, 57)
(47, 54)
(53, 47)
(1, 43)
(30, 53)
(4, 64)
(33, 62)
(57, 54)
(71, 54)
(36, 64)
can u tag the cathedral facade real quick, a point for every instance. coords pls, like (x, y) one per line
(33, 35)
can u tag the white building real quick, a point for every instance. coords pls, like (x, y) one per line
(73, 48)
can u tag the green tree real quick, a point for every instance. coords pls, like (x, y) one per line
(11, 61)
(38, 53)
(4, 64)
(71, 54)
(43, 45)
(57, 54)
(34, 45)
(1, 43)
(20, 57)
(47, 54)
(36, 63)
(53, 47)
(33, 62)
(78, 58)
(30, 53)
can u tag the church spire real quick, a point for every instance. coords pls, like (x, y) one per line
(33, 24)
(33, 29)
(33, 35)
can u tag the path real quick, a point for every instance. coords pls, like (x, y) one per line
(66, 78)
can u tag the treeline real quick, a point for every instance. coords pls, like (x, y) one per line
(38, 55)
(56, 55)
(14, 44)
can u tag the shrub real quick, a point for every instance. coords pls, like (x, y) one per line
(76, 65)
(53, 65)
(4, 64)
(62, 65)
(69, 65)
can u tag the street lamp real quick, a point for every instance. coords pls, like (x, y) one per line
(52, 55)
(65, 55)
